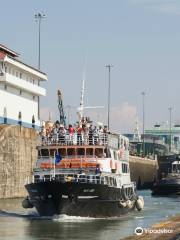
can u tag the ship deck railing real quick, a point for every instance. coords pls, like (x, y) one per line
(74, 139)
(105, 179)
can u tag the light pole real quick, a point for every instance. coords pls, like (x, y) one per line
(143, 111)
(109, 93)
(170, 127)
(39, 17)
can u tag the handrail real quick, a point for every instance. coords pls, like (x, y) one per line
(81, 178)
(74, 139)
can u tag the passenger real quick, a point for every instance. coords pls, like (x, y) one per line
(43, 135)
(105, 132)
(48, 135)
(57, 124)
(55, 133)
(85, 132)
(95, 135)
(71, 134)
(97, 171)
(91, 135)
(79, 135)
(62, 134)
(101, 135)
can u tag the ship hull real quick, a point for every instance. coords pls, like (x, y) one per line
(77, 199)
(167, 186)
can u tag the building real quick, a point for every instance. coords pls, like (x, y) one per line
(169, 136)
(19, 90)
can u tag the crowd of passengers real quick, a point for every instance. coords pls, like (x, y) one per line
(80, 134)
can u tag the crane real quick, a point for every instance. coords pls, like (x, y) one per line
(62, 116)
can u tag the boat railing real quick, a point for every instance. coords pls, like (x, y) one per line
(78, 178)
(74, 139)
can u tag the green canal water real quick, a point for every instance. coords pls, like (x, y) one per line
(17, 223)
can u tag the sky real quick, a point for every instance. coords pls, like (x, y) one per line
(140, 38)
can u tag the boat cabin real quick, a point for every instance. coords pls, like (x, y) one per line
(176, 167)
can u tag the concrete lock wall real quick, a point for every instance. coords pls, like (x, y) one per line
(17, 158)
(143, 169)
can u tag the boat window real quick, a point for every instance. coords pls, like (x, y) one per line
(45, 152)
(99, 152)
(114, 182)
(80, 151)
(62, 151)
(124, 168)
(122, 142)
(176, 168)
(89, 151)
(127, 145)
(115, 155)
(47, 177)
(52, 152)
(71, 152)
(111, 181)
(107, 153)
(57, 177)
(39, 153)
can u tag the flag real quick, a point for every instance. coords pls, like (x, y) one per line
(58, 158)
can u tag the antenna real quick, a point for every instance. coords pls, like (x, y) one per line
(81, 107)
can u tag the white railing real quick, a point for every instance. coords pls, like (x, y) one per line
(74, 139)
(80, 178)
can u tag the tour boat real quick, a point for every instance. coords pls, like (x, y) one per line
(88, 176)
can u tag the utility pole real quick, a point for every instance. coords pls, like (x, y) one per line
(143, 112)
(170, 128)
(109, 93)
(39, 17)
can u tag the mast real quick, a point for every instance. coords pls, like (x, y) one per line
(81, 106)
